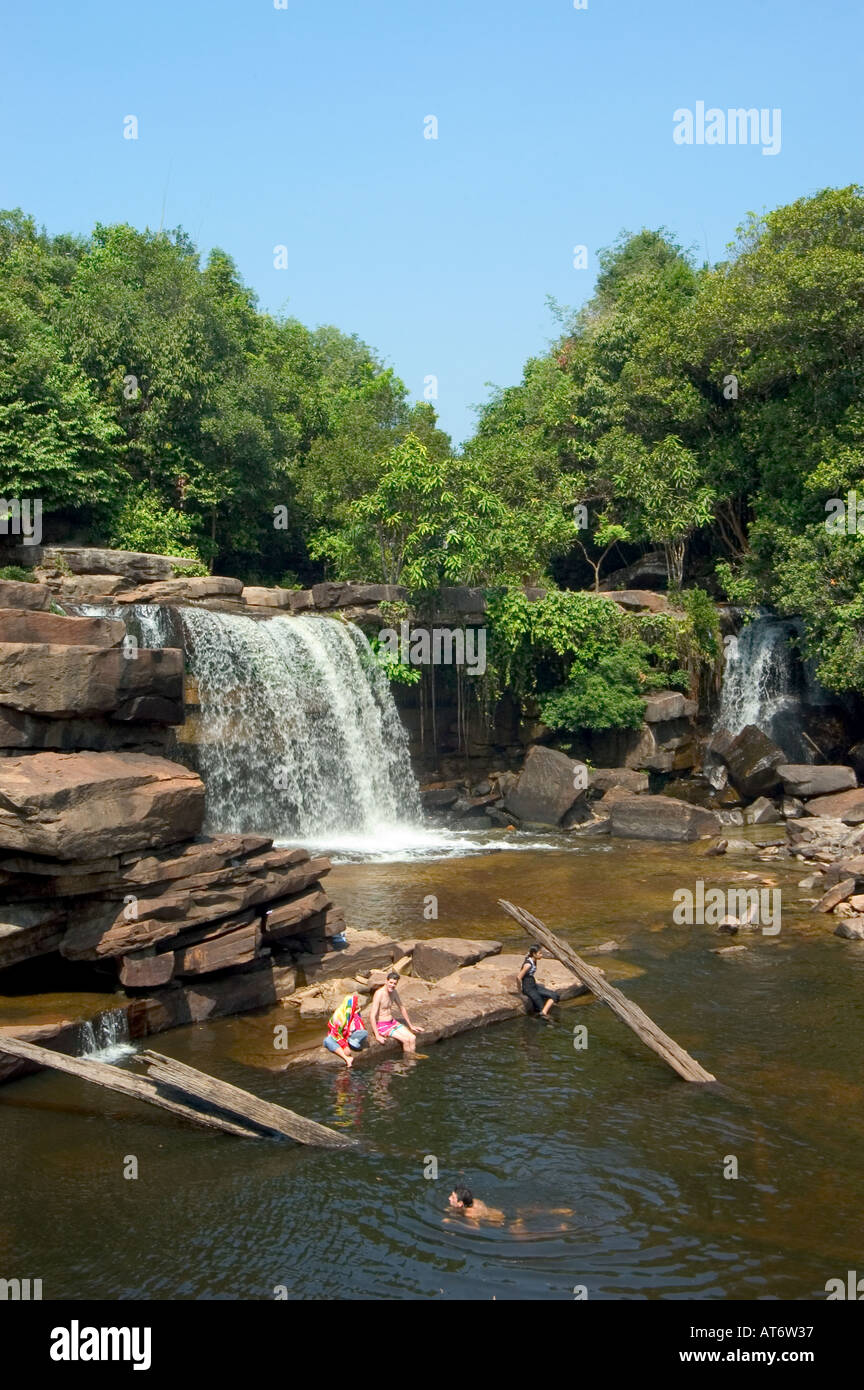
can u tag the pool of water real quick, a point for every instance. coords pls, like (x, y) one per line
(608, 1170)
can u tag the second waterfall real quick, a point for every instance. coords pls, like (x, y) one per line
(298, 731)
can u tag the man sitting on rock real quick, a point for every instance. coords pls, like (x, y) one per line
(381, 1019)
(540, 998)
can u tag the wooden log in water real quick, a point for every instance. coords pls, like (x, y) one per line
(274, 1118)
(630, 1013)
(113, 1079)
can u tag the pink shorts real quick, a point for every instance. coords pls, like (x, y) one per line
(386, 1028)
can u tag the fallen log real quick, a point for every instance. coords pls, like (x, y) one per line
(631, 1014)
(264, 1114)
(113, 1079)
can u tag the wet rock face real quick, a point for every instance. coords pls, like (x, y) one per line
(661, 818)
(89, 805)
(753, 759)
(548, 786)
(15, 593)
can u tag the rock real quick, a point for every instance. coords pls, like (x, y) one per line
(667, 704)
(222, 951)
(254, 988)
(441, 955)
(752, 759)
(548, 785)
(845, 806)
(727, 950)
(267, 598)
(64, 681)
(20, 626)
(637, 600)
(739, 847)
(94, 735)
(365, 950)
(87, 805)
(481, 789)
(846, 868)
(762, 812)
(731, 817)
(16, 593)
(856, 757)
(851, 930)
(804, 780)
(811, 881)
(134, 566)
(791, 808)
(301, 600)
(88, 588)
(661, 818)
(191, 590)
(603, 779)
(838, 894)
(146, 970)
(285, 919)
(344, 595)
(719, 847)
(605, 947)
(315, 1006)
(30, 929)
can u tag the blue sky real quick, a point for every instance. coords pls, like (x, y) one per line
(304, 127)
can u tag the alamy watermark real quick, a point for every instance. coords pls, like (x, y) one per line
(743, 907)
(21, 517)
(845, 516)
(440, 646)
(737, 126)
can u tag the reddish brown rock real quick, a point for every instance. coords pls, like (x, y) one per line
(188, 590)
(441, 955)
(845, 806)
(285, 919)
(146, 970)
(64, 681)
(548, 785)
(15, 593)
(661, 818)
(83, 806)
(220, 952)
(267, 598)
(21, 625)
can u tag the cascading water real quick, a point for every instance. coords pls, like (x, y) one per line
(766, 683)
(106, 1037)
(298, 731)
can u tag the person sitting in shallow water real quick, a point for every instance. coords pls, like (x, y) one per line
(383, 1024)
(540, 998)
(345, 1032)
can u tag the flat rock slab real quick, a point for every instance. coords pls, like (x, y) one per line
(21, 625)
(90, 805)
(801, 779)
(366, 950)
(267, 598)
(668, 704)
(638, 600)
(189, 590)
(604, 779)
(441, 955)
(660, 818)
(548, 786)
(477, 995)
(846, 806)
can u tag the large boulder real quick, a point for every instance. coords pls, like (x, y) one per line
(65, 681)
(345, 595)
(801, 779)
(20, 625)
(845, 806)
(548, 785)
(660, 818)
(638, 600)
(441, 955)
(90, 805)
(753, 759)
(15, 593)
(366, 950)
(668, 704)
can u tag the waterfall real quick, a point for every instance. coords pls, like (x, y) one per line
(298, 731)
(106, 1037)
(766, 683)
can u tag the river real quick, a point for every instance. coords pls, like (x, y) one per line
(609, 1170)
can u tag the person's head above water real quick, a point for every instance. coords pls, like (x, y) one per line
(461, 1197)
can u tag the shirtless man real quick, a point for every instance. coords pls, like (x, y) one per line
(381, 1019)
(463, 1200)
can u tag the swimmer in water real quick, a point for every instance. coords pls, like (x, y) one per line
(463, 1200)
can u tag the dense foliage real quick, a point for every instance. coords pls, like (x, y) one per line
(709, 412)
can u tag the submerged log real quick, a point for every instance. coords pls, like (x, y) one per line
(631, 1014)
(232, 1099)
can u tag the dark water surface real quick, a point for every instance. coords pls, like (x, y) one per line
(608, 1169)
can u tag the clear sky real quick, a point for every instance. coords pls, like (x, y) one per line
(304, 127)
